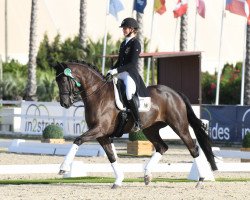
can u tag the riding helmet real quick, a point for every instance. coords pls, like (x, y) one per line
(129, 22)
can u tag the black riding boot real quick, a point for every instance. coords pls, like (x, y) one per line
(135, 113)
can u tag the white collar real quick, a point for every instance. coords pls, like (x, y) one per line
(128, 38)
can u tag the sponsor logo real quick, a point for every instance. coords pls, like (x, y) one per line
(37, 118)
(216, 131)
(244, 130)
(79, 126)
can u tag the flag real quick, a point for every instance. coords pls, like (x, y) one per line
(236, 6)
(140, 5)
(247, 10)
(115, 6)
(159, 6)
(180, 8)
(201, 9)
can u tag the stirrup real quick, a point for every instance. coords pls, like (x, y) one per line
(137, 127)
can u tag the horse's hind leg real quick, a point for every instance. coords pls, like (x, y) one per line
(152, 133)
(184, 134)
(105, 142)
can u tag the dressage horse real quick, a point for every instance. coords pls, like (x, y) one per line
(168, 108)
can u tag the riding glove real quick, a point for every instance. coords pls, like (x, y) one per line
(112, 72)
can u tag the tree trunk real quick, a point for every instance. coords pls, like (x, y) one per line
(139, 17)
(247, 69)
(183, 32)
(31, 88)
(83, 24)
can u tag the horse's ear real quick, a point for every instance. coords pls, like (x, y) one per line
(54, 66)
(57, 66)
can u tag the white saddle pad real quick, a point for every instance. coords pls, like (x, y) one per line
(144, 105)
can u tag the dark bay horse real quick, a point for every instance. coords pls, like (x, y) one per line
(169, 108)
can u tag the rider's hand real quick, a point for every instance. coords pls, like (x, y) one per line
(112, 72)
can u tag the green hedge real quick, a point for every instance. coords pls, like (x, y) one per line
(246, 141)
(137, 136)
(53, 131)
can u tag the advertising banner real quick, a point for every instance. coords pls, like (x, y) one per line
(227, 123)
(35, 116)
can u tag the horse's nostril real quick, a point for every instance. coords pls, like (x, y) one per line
(63, 104)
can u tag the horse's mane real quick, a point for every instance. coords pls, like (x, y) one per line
(82, 62)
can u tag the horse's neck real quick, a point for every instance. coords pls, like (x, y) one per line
(93, 85)
(90, 81)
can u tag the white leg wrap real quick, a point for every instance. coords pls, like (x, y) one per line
(199, 161)
(69, 158)
(119, 176)
(152, 162)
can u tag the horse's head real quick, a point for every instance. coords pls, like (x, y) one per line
(68, 85)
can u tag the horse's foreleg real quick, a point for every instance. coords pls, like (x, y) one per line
(119, 176)
(68, 159)
(65, 166)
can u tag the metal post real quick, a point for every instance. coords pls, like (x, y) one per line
(219, 64)
(6, 30)
(153, 70)
(243, 68)
(1, 69)
(1, 79)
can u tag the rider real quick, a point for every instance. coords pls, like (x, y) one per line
(127, 67)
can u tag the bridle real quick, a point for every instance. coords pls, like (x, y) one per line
(72, 93)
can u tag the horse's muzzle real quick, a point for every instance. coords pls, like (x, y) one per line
(65, 105)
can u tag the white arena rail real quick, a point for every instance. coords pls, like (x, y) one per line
(80, 169)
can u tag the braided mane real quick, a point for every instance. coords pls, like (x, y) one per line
(82, 62)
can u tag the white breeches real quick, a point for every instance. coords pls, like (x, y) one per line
(129, 83)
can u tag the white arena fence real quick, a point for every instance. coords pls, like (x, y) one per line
(80, 169)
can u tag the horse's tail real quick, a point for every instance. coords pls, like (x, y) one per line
(200, 133)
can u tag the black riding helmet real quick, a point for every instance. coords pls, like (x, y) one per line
(129, 22)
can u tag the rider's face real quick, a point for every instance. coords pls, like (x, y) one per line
(126, 31)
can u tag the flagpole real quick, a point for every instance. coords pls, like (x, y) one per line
(219, 64)
(243, 68)
(175, 32)
(105, 39)
(195, 27)
(133, 9)
(149, 46)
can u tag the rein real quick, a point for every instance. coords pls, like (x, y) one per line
(92, 93)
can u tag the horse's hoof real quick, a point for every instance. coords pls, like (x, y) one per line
(64, 168)
(147, 179)
(200, 185)
(115, 186)
(61, 172)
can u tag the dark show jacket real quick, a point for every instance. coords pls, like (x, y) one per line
(128, 61)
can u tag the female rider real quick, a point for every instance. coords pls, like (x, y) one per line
(127, 68)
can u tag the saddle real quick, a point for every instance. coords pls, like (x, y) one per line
(143, 103)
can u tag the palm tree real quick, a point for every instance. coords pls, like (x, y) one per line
(247, 67)
(139, 17)
(83, 24)
(30, 93)
(183, 32)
